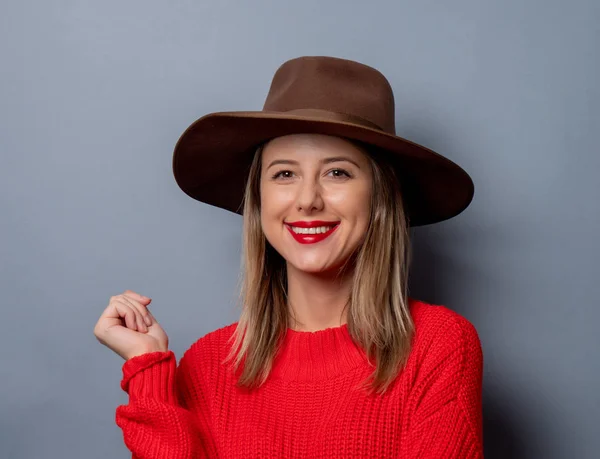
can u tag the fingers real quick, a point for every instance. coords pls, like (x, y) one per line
(151, 317)
(124, 310)
(141, 302)
(135, 313)
(136, 296)
(142, 316)
(133, 318)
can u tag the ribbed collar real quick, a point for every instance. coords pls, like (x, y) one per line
(318, 355)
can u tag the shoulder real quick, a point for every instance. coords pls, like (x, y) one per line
(214, 341)
(217, 337)
(200, 368)
(442, 334)
(210, 349)
(440, 321)
(446, 367)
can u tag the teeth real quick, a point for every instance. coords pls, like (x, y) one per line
(314, 230)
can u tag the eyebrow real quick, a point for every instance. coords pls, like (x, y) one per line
(330, 159)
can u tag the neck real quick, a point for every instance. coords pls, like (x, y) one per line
(317, 300)
(316, 356)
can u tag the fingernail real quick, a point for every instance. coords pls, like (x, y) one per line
(148, 321)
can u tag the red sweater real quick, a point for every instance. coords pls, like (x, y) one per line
(308, 407)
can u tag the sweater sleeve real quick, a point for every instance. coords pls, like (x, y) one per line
(161, 420)
(446, 401)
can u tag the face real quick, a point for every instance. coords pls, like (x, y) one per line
(315, 199)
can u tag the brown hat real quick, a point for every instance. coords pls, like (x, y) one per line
(324, 95)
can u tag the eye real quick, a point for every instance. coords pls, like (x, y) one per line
(287, 174)
(340, 173)
(282, 174)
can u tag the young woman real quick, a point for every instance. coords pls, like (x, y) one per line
(330, 357)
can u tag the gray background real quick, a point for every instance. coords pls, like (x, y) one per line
(94, 95)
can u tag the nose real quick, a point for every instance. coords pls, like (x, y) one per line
(309, 196)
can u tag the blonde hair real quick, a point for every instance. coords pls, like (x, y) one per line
(378, 317)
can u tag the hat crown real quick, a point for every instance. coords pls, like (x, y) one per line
(336, 85)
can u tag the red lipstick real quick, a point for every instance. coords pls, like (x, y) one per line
(311, 224)
(311, 238)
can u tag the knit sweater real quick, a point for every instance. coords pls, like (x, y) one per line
(309, 406)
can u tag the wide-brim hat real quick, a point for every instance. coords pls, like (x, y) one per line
(323, 95)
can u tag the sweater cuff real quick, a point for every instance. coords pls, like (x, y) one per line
(151, 375)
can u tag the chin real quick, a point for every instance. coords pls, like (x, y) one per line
(315, 267)
(310, 268)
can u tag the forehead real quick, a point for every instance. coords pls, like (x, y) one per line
(312, 146)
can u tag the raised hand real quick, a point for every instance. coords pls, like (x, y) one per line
(128, 328)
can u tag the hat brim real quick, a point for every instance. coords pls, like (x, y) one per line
(212, 157)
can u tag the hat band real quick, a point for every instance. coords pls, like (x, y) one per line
(333, 116)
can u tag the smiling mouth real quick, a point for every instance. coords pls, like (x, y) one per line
(311, 235)
(312, 230)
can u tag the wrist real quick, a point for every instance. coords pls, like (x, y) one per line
(147, 350)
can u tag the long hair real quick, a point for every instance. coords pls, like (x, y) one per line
(378, 316)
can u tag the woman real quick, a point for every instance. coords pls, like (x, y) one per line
(330, 356)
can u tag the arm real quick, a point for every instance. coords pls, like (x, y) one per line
(446, 402)
(159, 421)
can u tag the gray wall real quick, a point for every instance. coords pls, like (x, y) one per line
(94, 95)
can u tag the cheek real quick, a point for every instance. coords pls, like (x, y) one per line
(276, 199)
(352, 203)
(269, 208)
(273, 211)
